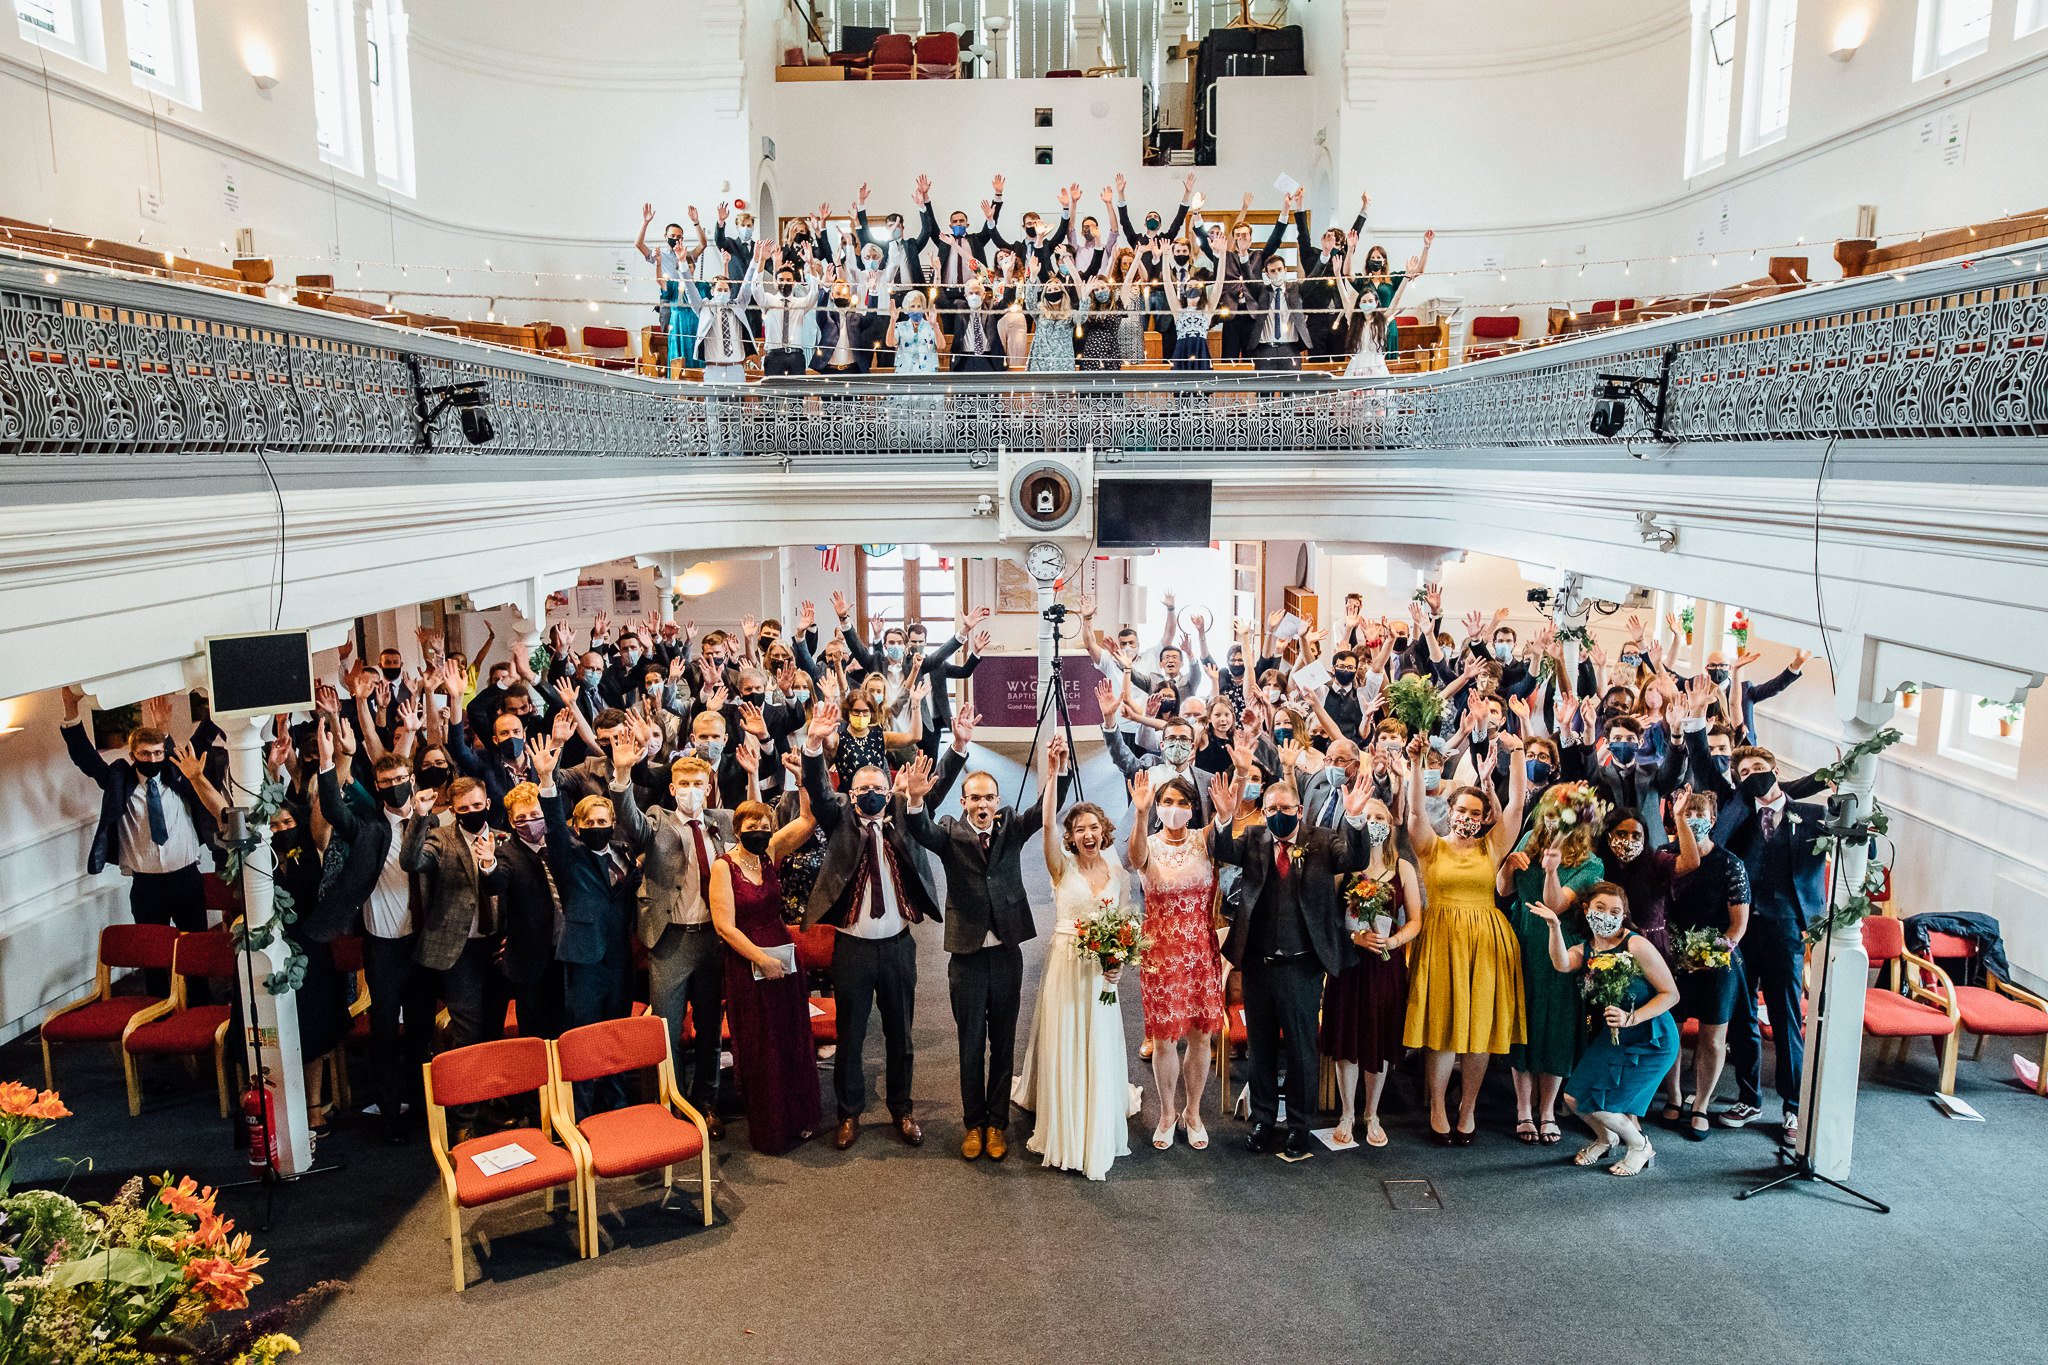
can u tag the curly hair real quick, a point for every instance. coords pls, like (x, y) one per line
(1571, 817)
(1076, 811)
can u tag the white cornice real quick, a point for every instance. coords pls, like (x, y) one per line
(1388, 61)
(716, 66)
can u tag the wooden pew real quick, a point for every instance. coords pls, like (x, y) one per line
(1859, 256)
(248, 276)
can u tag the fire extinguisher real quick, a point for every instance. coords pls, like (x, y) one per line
(259, 1121)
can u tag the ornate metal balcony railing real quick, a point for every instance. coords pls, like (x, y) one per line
(103, 364)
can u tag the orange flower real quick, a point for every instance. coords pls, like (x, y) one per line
(186, 1197)
(212, 1232)
(22, 1101)
(48, 1106)
(225, 1283)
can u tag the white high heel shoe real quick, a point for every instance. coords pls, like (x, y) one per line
(1162, 1137)
(1593, 1153)
(1634, 1160)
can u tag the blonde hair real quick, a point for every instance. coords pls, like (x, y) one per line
(589, 804)
(525, 794)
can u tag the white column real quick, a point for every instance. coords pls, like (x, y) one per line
(1088, 29)
(275, 1036)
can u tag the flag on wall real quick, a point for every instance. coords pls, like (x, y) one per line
(828, 558)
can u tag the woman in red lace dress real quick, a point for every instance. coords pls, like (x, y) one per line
(1181, 977)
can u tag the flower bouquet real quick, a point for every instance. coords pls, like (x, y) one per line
(1700, 950)
(1738, 628)
(1111, 936)
(1413, 701)
(1368, 907)
(1606, 982)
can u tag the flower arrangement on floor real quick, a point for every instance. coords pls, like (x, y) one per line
(1608, 977)
(127, 1281)
(1112, 937)
(1700, 950)
(1367, 903)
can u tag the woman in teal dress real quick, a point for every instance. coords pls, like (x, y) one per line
(1634, 1044)
(1556, 865)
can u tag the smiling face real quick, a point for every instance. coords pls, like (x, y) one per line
(1085, 830)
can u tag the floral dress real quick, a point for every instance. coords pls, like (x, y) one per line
(1181, 974)
(1052, 338)
(917, 347)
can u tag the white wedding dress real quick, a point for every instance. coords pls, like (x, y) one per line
(1075, 1074)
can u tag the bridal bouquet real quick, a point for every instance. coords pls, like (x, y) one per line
(1111, 936)
(1368, 907)
(1701, 950)
(1607, 981)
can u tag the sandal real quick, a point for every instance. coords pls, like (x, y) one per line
(1375, 1136)
(1549, 1134)
(1593, 1153)
(1162, 1136)
(1671, 1112)
(1634, 1160)
(1198, 1136)
(1341, 1136)
(1525, 1131)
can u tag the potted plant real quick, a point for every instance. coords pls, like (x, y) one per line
(1909, 695)
(1738, 627)
(1685, 620)
(2008, 713)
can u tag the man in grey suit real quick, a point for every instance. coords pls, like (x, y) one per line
(685, 959)
(988, 917)
(460, 879)
(1280, 338)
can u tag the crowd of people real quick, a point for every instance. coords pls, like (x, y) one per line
(832, 299)
(1387, 836)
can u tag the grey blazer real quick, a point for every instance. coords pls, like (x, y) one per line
(453, 894)
(670, 861)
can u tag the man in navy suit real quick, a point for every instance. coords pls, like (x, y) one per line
(1777, 840)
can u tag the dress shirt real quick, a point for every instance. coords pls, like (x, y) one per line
(143, 854)
(890, 923)
(388, 912)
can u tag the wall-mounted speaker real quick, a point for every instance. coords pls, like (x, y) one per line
(1047, 494)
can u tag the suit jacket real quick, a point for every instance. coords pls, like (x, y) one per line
(1322, 856)
(984, 890)
(842, 857)
(597, 914)
(1130, 763)
(1264, 300)
(1317, 790)
(528, 915)
(117, 782)
(355, 859)
(669, 856)
(1034, 256)
(454, 894)
(1800, 885)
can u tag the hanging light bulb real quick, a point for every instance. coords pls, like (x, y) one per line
(447, 277)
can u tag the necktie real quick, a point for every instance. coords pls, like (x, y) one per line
(725, 333)
(159, 832)
(613, 869)
(1283, 860)
(1767, 818)
(703, 862)
(875, 871)
(1329, 814)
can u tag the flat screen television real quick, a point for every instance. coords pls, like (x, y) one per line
(259, 674)
(1134, 514)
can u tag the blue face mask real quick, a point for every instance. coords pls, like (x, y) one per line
(1724, 762)
(915, 315)
(1700, 825)
(959, 229)
(872, 803)
(1503, 651)
(895, 652)
(1539, 771)
(800, 695)
(631, 656)
(1252, 790)
(1432, 779)
(1623, 751)
(591, 676)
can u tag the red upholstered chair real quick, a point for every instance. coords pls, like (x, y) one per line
(938, 57)
(814, 954)
(1997, 1010)
(1487, 328)
(553, 337)
(103, 1016)
(1920, 1012)
(186, 1030)
(894, 58)
(639, 1137)
(610, 347)
(493, 1071)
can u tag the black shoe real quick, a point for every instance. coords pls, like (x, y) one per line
(1297, 1145)
(1259, 1139)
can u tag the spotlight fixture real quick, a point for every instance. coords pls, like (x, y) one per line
(467, 397)
(1664, 538)
(1611, 400)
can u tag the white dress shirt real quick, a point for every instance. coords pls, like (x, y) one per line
(388, 913)
(143, 854)
(859, 922)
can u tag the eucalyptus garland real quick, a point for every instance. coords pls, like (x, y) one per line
(1875, 872)
(270, 797)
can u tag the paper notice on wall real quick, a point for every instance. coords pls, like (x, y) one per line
(1955, 136)
(1927, 133)
(590, 597)
(230, 191)
(1286, 184)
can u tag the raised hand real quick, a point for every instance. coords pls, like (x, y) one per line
(963, 728)
(824, 720)
(565, 693)
(156, 712)
(918, 779)
(563, 726)
(601, 627)
(646, 214)
(996, 184)
(1552, 858)
(1055, 757)
(695, 221)
(188, 761)
(979, 617)
(1141, 791)
(806, 617)
(409, 716)
(1105, 699)
(1224, 796)
(978, 642)
(325, 739)
(1120, 184)
(545, 753)
(1358, 794)
(752, 721)
(1541, 911)
(842, 608)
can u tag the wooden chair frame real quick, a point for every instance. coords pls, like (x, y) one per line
(102, 989)
(179, 1002)
(551, 1124)
(1945, 1001)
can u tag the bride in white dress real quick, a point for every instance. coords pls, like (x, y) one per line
(1075, 1075)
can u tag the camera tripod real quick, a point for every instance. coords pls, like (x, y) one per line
(1053, 701)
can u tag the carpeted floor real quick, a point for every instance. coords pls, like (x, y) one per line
(886, 1252)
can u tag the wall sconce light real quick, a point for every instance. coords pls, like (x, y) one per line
(261, 63)
(1849, 35)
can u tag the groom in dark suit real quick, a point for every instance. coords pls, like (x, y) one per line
(988, 917)
(1289, 936)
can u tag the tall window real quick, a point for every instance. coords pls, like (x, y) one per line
(391, 94)
(1950, 31)
(910, 583)
(2032, 18)
(1045, 39)
(1713, 84)
(869, 14)
(1133, 28)
(163, 53)
(1768, 101)
(337, 107)
(70, 28)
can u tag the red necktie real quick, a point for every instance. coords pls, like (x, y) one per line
(1283, 860)
(875, 873)
(703, 862)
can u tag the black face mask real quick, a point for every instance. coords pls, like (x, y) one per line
(1151, 222)
(1237, 670)
(755, 841)
(391, 674)
(753, 698)
(597, 838)
(1718, 673)
(1282, 823)
(433, 777)
(472, 821)
(148, 768)
(1757, 784)
(513, 749)
(1344, 676)
(394, 798)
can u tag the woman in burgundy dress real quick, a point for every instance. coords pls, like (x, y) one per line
(766, 1004)
(1365, 1007)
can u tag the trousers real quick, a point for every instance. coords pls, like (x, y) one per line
(869, 973)
(687, 967)
(1772, 961)
(401, 1021)
(179, 898)
(987, 989)
(1280, 1003)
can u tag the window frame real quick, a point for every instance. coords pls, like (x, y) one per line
(909, 591)
(2031, 19)
(1773, 32)
(87, 43)
(1705, 46)
(387, 47)
(337, 18)
(1961, 742)
(1929, 58)
(182, 84)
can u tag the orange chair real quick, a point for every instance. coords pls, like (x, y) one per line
(814, 954)
(495, 1071)
(103, 1016)
(938, 56)
(183, 1029)
(1920, 1012)
(1999, 1010)
(894, 58)
(639, 1137)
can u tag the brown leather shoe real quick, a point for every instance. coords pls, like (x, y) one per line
(907, 1129)
(996, 1145)
(845, 1133)
(714, 1126)
(970, 1146)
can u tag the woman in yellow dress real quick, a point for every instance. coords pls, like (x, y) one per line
(1465, 1000)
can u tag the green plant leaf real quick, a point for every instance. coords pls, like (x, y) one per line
(116, 1265)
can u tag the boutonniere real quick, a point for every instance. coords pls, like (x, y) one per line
(1792, 819)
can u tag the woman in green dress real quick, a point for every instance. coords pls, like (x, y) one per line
(1554, 864)
(1384, 285)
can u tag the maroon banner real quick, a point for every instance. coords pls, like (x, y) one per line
(1006, 690)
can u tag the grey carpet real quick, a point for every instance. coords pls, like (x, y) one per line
(885, 1252)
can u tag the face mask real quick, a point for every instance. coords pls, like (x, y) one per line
(1718, 674)
(1622, 751)
(1273, 281)
(391, 674)
(501, 683)
(1253, 789)
(675, 239)
(472, 821)
(631, 656)
(1465, 826)
(1538, 771)
(1631, 660)
(871, 802)
(653, 686)
(1480, 730)
(895, 653)
(1604, 923)
(1237, 670)
(532, 828)
(591, 676)
(434, 778)
(915, 314)
(720, 295)
(959, 229)
(1031, 231)
(1345, 676)
(597, 838)
(1756, 785)
(711, 750)
(1151, 222)
(1628, 850)
(1378, 831)
(689, 800)
(513, 749)
(148, 768)
(1701, 826)
(1282, 822)
(1273, 695)
(1175, 817)
(1723, 762)
(1432, 778)
(394, 798)
(800, 695)
(1503, 651)
(1282, 733)
(1102, 296)
(974, 300)
(872, 262)
(1177, 751)
(755, 841)
(857, 726)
